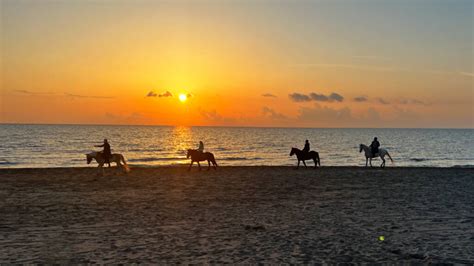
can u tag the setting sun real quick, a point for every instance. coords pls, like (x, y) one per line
(183, 97)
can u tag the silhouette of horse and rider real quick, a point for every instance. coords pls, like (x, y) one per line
(106, 157)
(306, 154)
(198, 155)
(373, 151)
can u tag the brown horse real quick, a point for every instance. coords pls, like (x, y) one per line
(302, 156)
(197, 156)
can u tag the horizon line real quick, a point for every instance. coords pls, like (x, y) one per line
(224, 126)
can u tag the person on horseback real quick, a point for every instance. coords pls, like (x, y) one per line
(201, 147)
(106, 152)
(374, 147)
(306, 147)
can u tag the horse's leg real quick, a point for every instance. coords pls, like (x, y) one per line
(298, 166)
(189, 168)
(366, 161)
(305, 164)
(199, 166)
(315, 163)
(370, 162)
(383, 161)
(208, 165)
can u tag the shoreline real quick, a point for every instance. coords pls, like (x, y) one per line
(204, 166)
(237, 214)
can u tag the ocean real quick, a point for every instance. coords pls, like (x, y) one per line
(27, 146)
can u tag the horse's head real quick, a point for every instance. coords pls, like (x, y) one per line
(293, 151)
(361, 147)
(188, 153)
(89, 158)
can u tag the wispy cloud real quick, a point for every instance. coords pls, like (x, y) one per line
(361, 99)
(467, 74)
(350, 66)
(272, 114)
(299, 97)
(381, 68)
(371, 57)
(76, 96)
(268, 95)
(26, 92)
(214, 116)
(382, 101)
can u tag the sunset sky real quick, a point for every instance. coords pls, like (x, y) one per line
(241, 63)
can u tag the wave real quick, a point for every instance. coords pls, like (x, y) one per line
(238, 159)
(146, 150)
(419, 159)
(5, 162)
(155, 159)
(463, 166)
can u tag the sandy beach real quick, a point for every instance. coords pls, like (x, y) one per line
(237, 215)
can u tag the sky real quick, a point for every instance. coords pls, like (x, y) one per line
(241, 63)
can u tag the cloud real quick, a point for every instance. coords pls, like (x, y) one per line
(333, 97)
(67, 95)
(298, 97)
(151, 94)
(154, 94)
(382, 101)
(411, 101)
(272, 114)
(467, 74)
(336, 97)
(269, 95)
(361, 99)
(76, 96)
(215, 117)
(325, 116)
(166, 94)
(319, 97)
(33, 93)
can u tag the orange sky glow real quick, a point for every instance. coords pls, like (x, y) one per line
(240, 63)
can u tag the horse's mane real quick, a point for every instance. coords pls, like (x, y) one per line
(92, 153)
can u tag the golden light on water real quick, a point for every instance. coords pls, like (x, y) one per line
(182, 97)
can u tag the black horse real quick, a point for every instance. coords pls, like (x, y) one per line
(197, 156)
(302, 156)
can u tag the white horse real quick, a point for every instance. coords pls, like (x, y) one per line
(368, 155)
(115, 158)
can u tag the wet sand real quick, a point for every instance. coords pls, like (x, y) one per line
(237, 215)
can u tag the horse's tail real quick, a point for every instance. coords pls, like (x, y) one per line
(212, 159)
(388, 154)
(125, 165)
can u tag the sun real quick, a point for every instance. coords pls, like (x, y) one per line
(183, 97)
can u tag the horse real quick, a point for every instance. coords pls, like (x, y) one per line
(302, 156)
(115, 158)
(197, 156)
(368, 155)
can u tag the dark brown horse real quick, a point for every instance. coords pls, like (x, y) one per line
(197, 156)
(302, 156)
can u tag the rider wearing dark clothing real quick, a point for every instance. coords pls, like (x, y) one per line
(106, 152)
(375, 146)
(306, 147)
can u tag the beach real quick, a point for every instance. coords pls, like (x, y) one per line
(237, 215)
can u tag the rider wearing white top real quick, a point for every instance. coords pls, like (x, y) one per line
(201, 146)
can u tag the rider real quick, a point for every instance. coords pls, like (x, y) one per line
(374, 147)
(201, 147)
(306, 147)
(106, 152)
